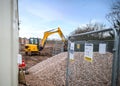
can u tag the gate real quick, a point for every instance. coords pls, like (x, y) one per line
(103, 66)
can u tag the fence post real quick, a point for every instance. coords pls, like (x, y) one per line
(115, 65)
(119, 58)
(67, 64)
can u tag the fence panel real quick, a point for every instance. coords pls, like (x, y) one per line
(103, 66)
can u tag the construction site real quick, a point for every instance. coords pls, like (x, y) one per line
(49, 67)
(67, 62)
(88, 56)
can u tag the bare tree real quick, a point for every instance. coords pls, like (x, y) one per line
(114, 16)
(91, 27)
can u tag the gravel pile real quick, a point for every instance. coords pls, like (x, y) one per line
(52, 72)
(97, 73)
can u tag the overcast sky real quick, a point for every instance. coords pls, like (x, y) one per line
(38, 16)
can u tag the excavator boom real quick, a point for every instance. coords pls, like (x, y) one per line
(48, 33)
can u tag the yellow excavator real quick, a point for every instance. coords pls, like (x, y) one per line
(35, 47)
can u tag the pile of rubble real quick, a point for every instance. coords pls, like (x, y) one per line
(52, 72)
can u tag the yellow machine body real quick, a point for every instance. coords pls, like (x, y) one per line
(31, 48)
(35, 46)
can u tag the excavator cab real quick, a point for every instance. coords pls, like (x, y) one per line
(34, 41)
(32, 47)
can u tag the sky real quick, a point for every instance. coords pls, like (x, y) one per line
(38, 16)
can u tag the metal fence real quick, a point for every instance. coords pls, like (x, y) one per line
(58, 47)
(102, 70)
(109, 45)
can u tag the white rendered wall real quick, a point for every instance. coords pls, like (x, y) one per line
(8, 43)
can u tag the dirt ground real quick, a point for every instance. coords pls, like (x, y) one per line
(30, 61)
(47, 52)
(34, 59)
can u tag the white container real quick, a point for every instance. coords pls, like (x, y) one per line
(8, 43)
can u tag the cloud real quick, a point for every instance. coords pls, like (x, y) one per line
(31, 33)
(46, 16)
(49, 13)
(45, 12)
(37, 34)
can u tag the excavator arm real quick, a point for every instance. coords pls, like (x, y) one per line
(48, 33)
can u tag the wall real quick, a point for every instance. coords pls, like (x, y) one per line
(8, 43)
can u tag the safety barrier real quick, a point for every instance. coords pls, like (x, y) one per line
(72, 63)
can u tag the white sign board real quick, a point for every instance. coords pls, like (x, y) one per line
(88, 53)
(72, 51)
(102, 48)
(19, 59)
